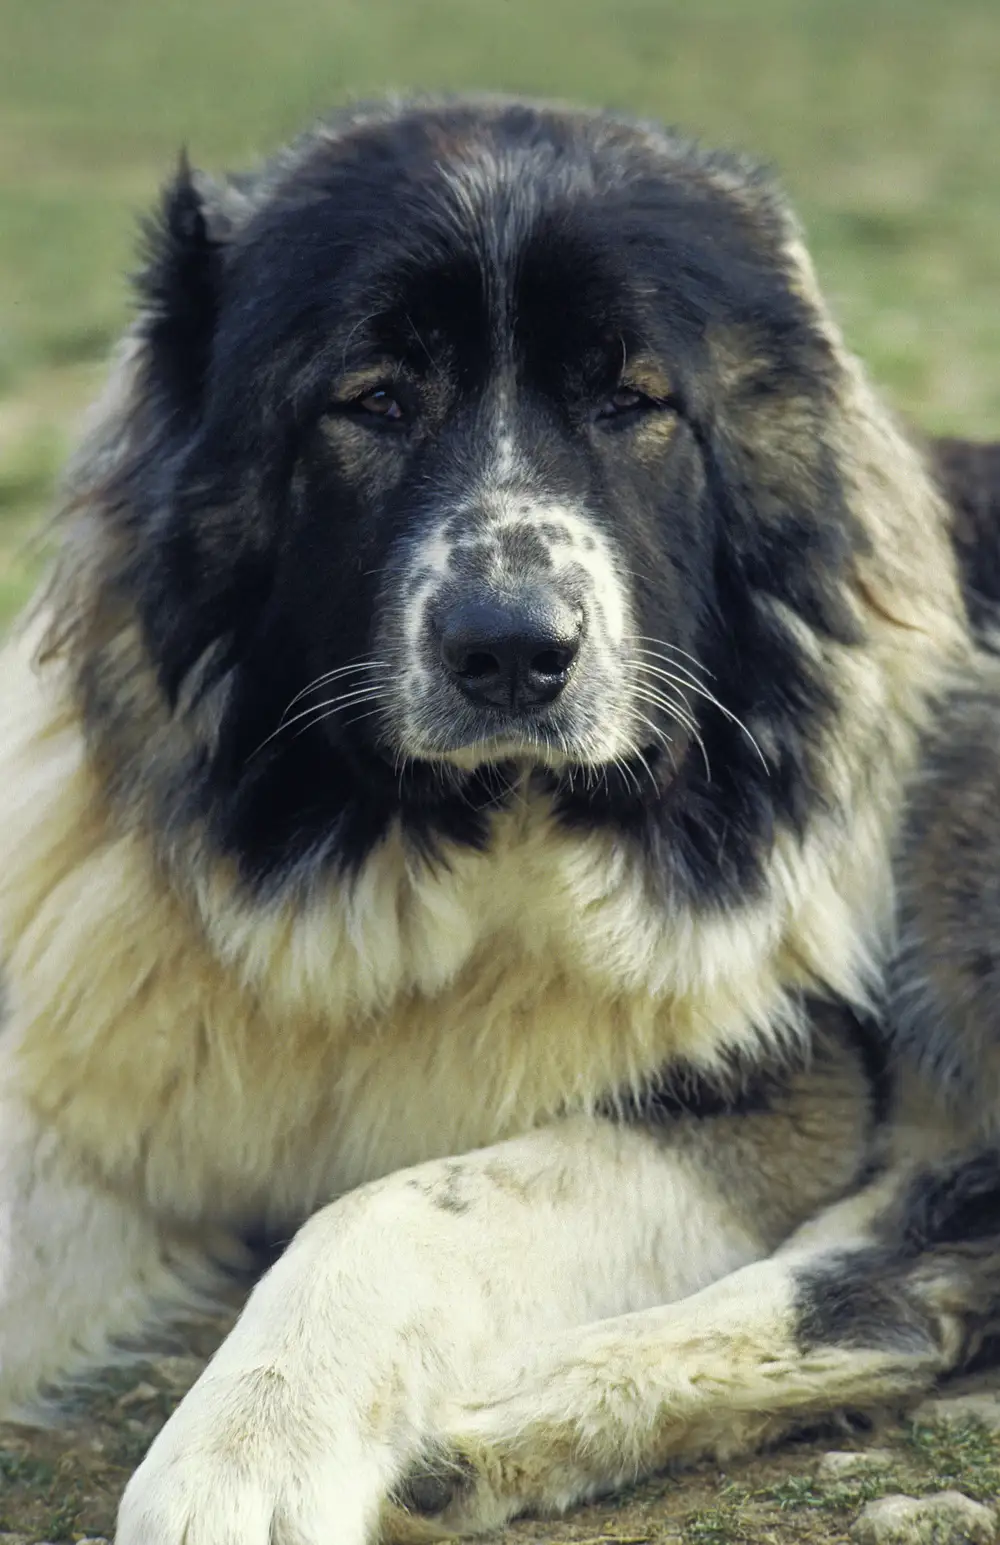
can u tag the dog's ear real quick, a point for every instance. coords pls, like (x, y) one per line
(180, 285)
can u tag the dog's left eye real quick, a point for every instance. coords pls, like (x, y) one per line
(624, 400)
(377, 403)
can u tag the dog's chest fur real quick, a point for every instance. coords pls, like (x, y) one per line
(273, 1056)
(421, 1010)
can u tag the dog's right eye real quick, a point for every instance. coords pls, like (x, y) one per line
(380, 403)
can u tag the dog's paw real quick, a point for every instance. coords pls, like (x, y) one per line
(449, 1491)
(495, 1465)
(539, 1444)
(244, 1461)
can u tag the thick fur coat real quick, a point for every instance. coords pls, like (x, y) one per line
(502, 768)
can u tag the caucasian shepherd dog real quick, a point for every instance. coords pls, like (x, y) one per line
(502, 769)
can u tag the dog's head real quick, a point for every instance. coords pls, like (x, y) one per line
(481, 436)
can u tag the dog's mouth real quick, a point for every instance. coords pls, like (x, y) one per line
(593, 726)
(553, 744)
(497, 738)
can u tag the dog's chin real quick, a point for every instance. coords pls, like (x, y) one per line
(470, 756)
(520, 755)
(471, 744)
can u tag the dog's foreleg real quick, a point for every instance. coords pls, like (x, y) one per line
(328, 1408)
(862, 1309)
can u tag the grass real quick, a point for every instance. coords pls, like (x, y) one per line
(925, 1460)
(880, 114)
(58, 1499)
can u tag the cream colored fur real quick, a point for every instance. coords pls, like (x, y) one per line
(180, 1059)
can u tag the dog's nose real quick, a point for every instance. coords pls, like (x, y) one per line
(510, 653)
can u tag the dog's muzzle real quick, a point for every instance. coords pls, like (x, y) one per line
(510, 641)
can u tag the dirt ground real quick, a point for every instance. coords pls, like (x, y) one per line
(64, 1484)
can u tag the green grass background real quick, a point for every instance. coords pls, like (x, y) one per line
(883, 117)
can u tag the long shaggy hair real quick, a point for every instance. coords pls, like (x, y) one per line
(495, 632)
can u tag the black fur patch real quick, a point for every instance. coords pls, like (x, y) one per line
(969, 475)
(860, 1299)
(955, 1204)
(445, 1191)
(686, 1090)
(936, 1251)
(739, 1084)
(944, 984)
(868, 1037)
(180, 288)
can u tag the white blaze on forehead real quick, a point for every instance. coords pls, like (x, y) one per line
(506, 456)
(475, 179)
(506, 466)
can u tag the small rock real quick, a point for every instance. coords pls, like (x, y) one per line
(949, 1518)
(141, 1395)
(956, 1410)
(845, 1465)
(14, 1539)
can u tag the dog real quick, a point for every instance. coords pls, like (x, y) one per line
(500, 792)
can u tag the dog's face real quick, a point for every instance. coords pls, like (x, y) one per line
(480, 434)
(505, 425)
(492, 421)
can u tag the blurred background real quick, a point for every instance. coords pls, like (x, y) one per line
(882, 116)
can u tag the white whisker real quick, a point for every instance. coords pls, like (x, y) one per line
(356, 719)
(325, 709)
(626, 771)
(673, 649)
(328, 676)
(659, 700)
(676, 707)
(686, 682)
